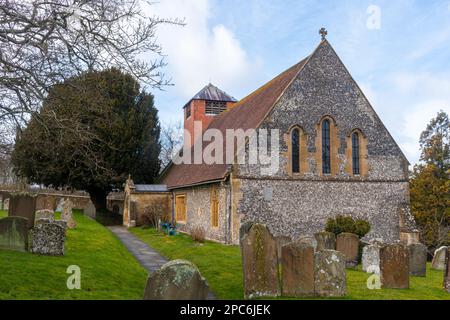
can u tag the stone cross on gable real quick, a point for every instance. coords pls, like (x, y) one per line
(323, 32)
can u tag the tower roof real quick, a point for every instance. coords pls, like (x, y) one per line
(211, 92)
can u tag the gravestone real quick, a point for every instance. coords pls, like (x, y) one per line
(44, 202)
(348, 244)
(6, 204)
(90, 210)
(47, 238)
(417, 259)
(329, 273)
(44, 214)
(371, 258)
(281, 241)
(59, 204)
(259, 263)
(325, 240)
(23, 204)
(297, 263)
(308, 240)
(438, 262)
(447, 271)
(176, 280)
(14, 233)
(67, 214)
(394, 266)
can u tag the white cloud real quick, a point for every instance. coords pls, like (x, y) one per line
(198, 53)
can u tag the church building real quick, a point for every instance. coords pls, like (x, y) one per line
(335, 158)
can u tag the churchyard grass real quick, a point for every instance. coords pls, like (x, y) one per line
(108, 270)
(221, 266)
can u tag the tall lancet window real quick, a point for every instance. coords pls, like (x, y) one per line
(355, 152)
(295, 138)
(326, 147)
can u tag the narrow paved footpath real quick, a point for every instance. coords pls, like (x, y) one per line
(146, 255)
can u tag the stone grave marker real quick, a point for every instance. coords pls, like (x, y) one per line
(45, 214)
(47, 238)
(325, 240)
(176, 280)
(14, 233)
(329, 273)
(67, 214)
(438, 262)
(371, 258)
(23, 204)
(417, 259)
(348, 244)
(281, 241)
(394, 266)
(90, 210)
(297, 263)
(259, 263)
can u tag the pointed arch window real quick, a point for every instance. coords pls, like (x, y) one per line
(355, 153)
(295, 140)
(326, 147)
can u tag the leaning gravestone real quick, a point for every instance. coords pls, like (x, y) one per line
(438, 262)
(90, 210)
(371, 258)
(48, 238)
(447, 271)
(325, 240)
(348, 244)
(67, 214)
(329, 273)
(259, 263)
(23, 204)
(297, 262)
(417, 259)
(45, 215)
(176, 280)
(14, 233)
(394, 266)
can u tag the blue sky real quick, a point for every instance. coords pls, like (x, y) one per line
(403, 66)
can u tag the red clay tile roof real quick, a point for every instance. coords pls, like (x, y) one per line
(246, 114)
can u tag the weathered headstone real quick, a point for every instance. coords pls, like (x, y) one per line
(329, 273)
(417, 259)
(67, 214)
(176, 280)
(6, 204)
(308, 240)
(438, 262)
(297, 263)
(23, 204)
(90, 210)
(348, 244)
(14, 233)
(447, 271)
(44, 214)
(281, 241)
(371, 258)
(325, 240)
(48, 239)
(394, 266)
(259, 263)
(45, 202)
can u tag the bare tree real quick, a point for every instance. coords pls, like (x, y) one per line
(45, 42)
(171, 141)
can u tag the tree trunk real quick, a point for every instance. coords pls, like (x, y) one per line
(98, 197)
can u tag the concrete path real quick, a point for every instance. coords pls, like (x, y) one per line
(146, 255)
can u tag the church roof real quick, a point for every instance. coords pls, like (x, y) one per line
(246, 114)
(212, 93)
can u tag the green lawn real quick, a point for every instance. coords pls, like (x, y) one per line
(108, 270)
(221, 266)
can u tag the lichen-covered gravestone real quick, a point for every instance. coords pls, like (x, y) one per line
(45, 214)
(23, 204)
(447, 271)
(67, 214)
(259, 262)
(308, 240)
(371, 258)
(438, 262)
(14, 233)
(325, 240)
(329, 274)
(417, 259)
(348, 244)
(394, 266)
(48, 238)
(297, 261)
(176, 280)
